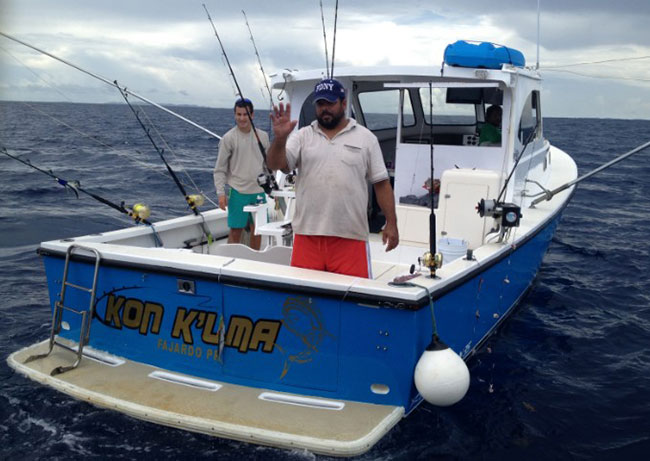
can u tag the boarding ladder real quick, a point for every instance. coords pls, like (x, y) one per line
(60, 306)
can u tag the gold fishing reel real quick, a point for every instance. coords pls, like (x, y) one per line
(140, 211)
(195, 200)
(432, 261)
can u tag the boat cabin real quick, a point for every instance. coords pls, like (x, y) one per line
(421, 113)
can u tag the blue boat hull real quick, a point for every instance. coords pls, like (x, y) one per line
(292, 340)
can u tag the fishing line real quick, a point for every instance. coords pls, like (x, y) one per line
(327, 61)
(147, 165)
(115, 150)
(268, 174)
(607, 77)
(37, 75)
(138, 213)
(259, 60)
(76, 130)
(169, 149)
(191, 201)
(519, 157)
(530, 161)
(596, 62)
(112, 83)
(232, 84)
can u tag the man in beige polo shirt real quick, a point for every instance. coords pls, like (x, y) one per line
(336, 158)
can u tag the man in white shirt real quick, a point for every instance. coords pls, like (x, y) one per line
(335, 158)
(239, 163)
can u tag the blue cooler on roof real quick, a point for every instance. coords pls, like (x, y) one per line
(482, 55)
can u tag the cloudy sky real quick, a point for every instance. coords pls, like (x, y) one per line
(166, 50)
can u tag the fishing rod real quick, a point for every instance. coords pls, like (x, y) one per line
(432, 216)
(327, 61)
(139, 212)
(112, 83)
(431, 259)
(193, 201)
(266, 180)
(336, 15)
(548, 195)
(259, 60)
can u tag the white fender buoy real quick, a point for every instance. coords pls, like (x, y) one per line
(441, 375)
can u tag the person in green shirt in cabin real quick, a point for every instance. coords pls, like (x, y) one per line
(491, 129)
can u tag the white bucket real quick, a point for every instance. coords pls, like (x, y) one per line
(451, 249)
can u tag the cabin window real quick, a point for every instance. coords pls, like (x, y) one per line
(530, 118)
(446, 112)
(308, 112)
(380, 108)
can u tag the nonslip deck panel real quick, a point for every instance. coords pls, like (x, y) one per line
(233, 411)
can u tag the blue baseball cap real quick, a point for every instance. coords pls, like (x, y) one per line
(329, 89)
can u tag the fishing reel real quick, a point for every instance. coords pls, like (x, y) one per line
(433, 261)
(195, 200)
(266, 182)
(508, 215)
(140, 211)
(290, 179)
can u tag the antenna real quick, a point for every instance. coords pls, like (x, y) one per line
(537, 65)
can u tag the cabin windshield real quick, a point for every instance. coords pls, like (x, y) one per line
(463, 120)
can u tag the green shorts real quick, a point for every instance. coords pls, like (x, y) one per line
(237, 218)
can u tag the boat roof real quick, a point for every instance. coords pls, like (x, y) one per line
(407, 74)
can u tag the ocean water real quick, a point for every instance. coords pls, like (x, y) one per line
(566, 377)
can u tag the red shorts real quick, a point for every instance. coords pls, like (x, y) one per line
(331, 254)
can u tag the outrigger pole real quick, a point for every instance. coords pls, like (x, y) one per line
(263, 182)
(112, 83)
(548, 195)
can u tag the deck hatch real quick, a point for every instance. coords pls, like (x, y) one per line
(185, 381)
(302, 401)
(101, 357)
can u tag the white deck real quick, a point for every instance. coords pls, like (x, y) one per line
(234, 412)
